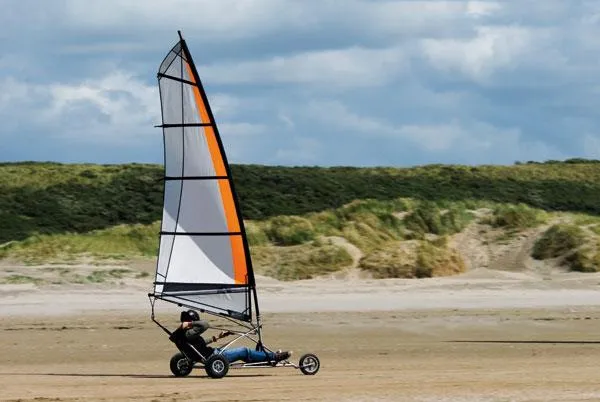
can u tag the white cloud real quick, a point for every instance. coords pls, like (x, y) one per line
(479, 9)
(84, 71)
(14, 92)
(233, 18)
(207, 21)
(463, 140)
(432, 138)
(353, 67)
(104, 47)
(206, 18)
(492, 48)
(422, 18)
(117, 108)
(224, 105)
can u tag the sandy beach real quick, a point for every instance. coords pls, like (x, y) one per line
(482, 336)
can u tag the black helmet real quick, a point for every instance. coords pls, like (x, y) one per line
(189, 315)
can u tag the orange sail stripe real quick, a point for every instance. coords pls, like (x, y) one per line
(233, 225)
(211, 140)
(239, 260)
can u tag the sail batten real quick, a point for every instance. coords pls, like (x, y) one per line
(204, 258)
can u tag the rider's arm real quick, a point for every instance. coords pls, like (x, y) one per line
(215, 338)
(201, 325)
(197, 327)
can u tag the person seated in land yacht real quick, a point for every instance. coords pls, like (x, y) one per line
(194, 327)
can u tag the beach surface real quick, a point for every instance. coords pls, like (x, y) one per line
(482, 336)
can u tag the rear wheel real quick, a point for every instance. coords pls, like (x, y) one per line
(180, 365)
(309, 364)
(216, 366)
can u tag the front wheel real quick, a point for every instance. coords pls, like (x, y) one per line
(309, 364)
(180, 365)
(216, 366)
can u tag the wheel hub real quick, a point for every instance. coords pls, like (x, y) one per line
(218, 366)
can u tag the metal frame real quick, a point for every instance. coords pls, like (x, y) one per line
(251, 330)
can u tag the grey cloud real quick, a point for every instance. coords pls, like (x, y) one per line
(319, 82)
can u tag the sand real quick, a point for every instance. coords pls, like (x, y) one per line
(483, 336)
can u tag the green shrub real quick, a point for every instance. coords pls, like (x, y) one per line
(290, 230)
(412, 259)
(53, 198)
(305, 261)
(255, 234)
(558, 240)
(518, 216)
(327, 223)
(428, 218)
(20, 279)
(124, 241)
(585, 260)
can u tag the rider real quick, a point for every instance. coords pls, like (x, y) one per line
(194, 327)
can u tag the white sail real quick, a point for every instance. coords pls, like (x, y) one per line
(204, 260)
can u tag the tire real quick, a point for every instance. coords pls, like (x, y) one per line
(309, 364)
(180, 365)
(216, 366)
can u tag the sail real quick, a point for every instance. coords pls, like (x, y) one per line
(204, 260)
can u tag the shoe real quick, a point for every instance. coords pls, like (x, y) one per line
(280, 355)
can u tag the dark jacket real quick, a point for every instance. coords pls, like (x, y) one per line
(193, 336)
(198, 327)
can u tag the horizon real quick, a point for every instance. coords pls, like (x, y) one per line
(570, 161)
(385, 84)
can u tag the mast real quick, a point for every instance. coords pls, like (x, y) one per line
(251, 279)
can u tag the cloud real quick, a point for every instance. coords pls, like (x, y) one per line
(353, 67)
(478, 9)
(241, 129)
(225, 105)
(429, 137)
(493, 47)
(234, 19)
(222, 19)
(115, 108)
(461, 141)
(377, 82)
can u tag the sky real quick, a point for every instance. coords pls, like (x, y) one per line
(310, 82)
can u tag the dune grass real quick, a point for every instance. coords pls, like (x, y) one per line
(580, 250)
(427, 217)
(517, 217)
(304, 261)
(53, 198)
(586, 258)
(289, 247)
(557, 241)
(412, 259)
(289, 230)
(17, 279)
(120, 242)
